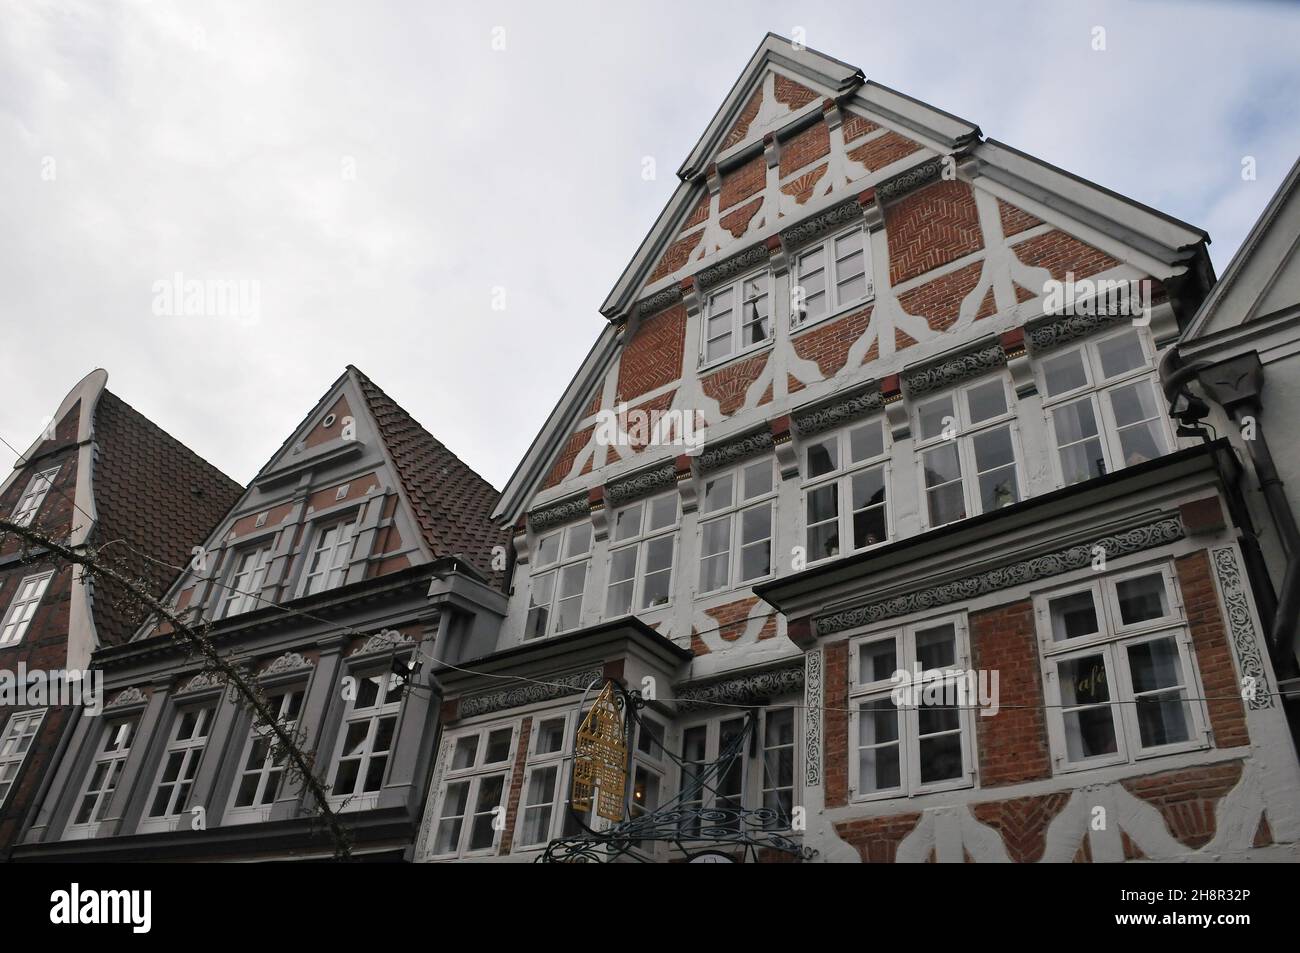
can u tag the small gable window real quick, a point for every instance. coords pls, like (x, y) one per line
(738, 317)
(327, 565)
(30, 502)
(832, 277)
(19, 616)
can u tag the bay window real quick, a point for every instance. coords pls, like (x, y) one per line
(15, 742)
(105, 771)
(737, 317)
(558, 582)
(920, 744)
(761, 774)
(832, 276)
(180, 764)
(548, 780)
(1104, 409)
(845, 477)
(262, 768)
(967, 448)
(642, 546)
(472, 804)
(366, 738)
(736, 521)
(1118, 664)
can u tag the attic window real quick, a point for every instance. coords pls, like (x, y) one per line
(34, 496)
(328, 421)
(738, 317)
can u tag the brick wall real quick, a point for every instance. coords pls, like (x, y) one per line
(1022, 822)
(1015, 220)
(1213, 656)
(939, 301)
(883, 150)
(653, 358)
(516, 787)
(676, 256)
(931, 227)
(828, 344)
(793, 95)
(805, 147)
(835, 722)
(743, 181)
(1188, 798)
(1059, 253)
(728, 386)
(877, 838)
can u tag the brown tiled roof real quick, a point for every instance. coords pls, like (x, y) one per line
(154, 494)
(452, 503)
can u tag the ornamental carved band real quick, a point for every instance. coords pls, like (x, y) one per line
(659, 300)
(383, 641)
(743, 689)
(913, 178)
(814, 228)
(640, 484)
(1017, 573)
(732, 266)
(558, 687)
(1242, 629)
(812, 723)
(832, 415)
(561, 512)
(1066, 328)
(955, 370)
(736, 450)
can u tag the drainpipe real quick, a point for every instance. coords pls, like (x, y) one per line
(1235, 385)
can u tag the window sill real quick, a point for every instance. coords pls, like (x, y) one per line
(718, 364)
(842, 312)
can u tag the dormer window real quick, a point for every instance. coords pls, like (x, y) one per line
(738, 317)
(243, 592)
(30, 502)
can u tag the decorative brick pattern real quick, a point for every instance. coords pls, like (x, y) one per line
(902, 339)
(737, 222)
(697, 643)
(855, 127)
(1015, 220)
(677, 255)
(836, 721)
(988, 307)
(793, 95)
(564, 465)
(1188, 798)
(747, 115)
(1023, 294)
(1012, 745)
(883, 150)
(728, 386)
(1022, 822)
(699, 215)
(653, 358)
(657, 404)
(829, 344)
(1059, 253)
(876, 839)
(801, 188)
(939, 301)
(806, 147)
(742, 182)
(516, 788)
(1213, 655)
(732, 617)
(931, 227)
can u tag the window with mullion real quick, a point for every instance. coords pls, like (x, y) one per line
(1119, 668)
(244, 590)
(180, 765)
(737, 317)
(967, 450)
(832, 276)
(1104, 410)
(105, 770)
(327, 565)
(472, 798)
(642, 550)
(558, 582)
(15, 742)
(23, 607)
(703, 745)
(29, 504)
(845, 479)
(548, 778)
(367, 735)
(263, 765)
(736, 522)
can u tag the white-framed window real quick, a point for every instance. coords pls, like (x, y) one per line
(558, 581)
(180, 764)
(19, 615)
(1104, 410)
(105, 771)
(327, 564)
(1119, 668)
(244, 590)
(897, 750)
(648, 763)
(471, 808)
(736, 526)
(834, 276)
(548, 780)
(764, 779)
(262, 764)
(642, 550)
(968, 451)
(366, 739)
(845, 476)
(15, 742)
(29, 504)
(737, 317)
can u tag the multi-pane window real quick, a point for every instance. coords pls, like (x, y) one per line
(1102, 403)
(704, 745)
(262, 769)
(548, 779)
(832, 276)
(20, 612)
(737, 317)
(1117, 660)
(29, 503)
(15, 742)
(559, 579)
(471, 809)
(778, 764)
(105, 771)
(369, 730)
(967, 448)
(244, 590)
(922, 744)
(642, 544)
(327, 566)
(845, 477)
(648, 760)
(180, 765)
(736, 515)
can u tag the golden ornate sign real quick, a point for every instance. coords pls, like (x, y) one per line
(600, 759)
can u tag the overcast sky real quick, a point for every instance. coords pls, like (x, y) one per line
(379, 169)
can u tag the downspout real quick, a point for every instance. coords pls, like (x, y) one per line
(1241, 403)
